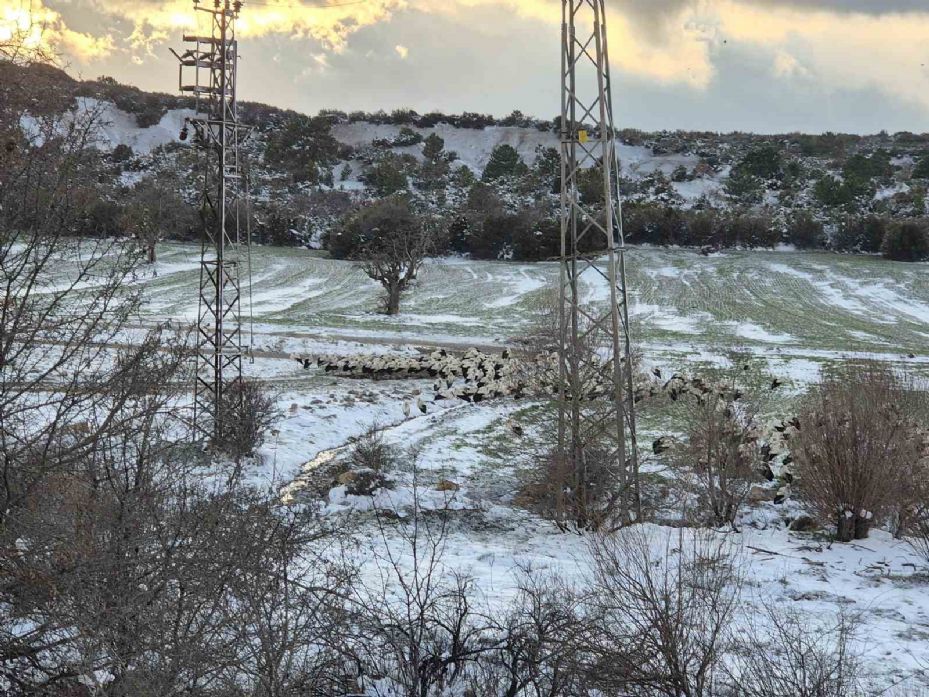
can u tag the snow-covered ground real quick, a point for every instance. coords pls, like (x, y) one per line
(115, 127)
(793, 312)
(473, 146)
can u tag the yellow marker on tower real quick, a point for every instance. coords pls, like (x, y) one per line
(582, 136)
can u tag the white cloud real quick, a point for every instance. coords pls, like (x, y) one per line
(787, 65)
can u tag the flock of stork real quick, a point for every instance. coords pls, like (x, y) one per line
(475, 376)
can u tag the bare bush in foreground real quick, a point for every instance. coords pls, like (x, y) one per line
(538, 645)
(788, 654)
(417, 630)
(248, 412)
(372, 452)
(663, 605)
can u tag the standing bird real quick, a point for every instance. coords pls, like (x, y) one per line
(661, 445)
(515, 428)
(656, 372)
(420, 405)
(406, 409)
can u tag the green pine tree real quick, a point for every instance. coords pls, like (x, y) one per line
(504, 162)
(433, 147)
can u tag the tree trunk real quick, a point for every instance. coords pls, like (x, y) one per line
(393, 299)
(152, 255)
(862, 527)
(845, 527)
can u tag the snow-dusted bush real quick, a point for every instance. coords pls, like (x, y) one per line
(248, 413)
(906, 241)
(662, 603)
(859, 234)
(723, 452)
(805, 232)
(857, 447)
(785, 654)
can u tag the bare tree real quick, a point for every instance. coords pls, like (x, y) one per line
(391, 243)
(417, 625)
(65, 299)
(539, 644)
(154, 210)
(128, 566)
(663, 604)
(289, 605)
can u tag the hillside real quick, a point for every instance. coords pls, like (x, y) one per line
(308, 172)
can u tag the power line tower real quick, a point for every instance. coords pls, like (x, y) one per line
(596, 425)
(208, 70)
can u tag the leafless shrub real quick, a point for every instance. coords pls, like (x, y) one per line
(372, 452)
(138, 575)
(721, 448)
(371, 459)
(91, 485)
(417, 631)
(584, 484)
(789, 654)
(553, 490)
(288, 606)
(538, 645)
(919, 530)
(857, 448)
(662, 604)
(126, 567)
(248, 412)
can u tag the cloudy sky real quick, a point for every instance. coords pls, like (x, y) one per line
(722, 65)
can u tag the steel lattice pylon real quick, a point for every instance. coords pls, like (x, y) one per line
(596, 404)
(208, 71)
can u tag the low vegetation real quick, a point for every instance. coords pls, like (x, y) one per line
(860, 444)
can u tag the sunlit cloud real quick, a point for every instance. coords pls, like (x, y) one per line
(787, 65)
(330, 22)
(680, 53)
(40, 30)
(671, 45)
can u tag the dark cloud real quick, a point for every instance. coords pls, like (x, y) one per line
(743, 96)
(654, 16)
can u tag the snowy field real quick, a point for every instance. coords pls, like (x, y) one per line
(794, 309)
(790, 313)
